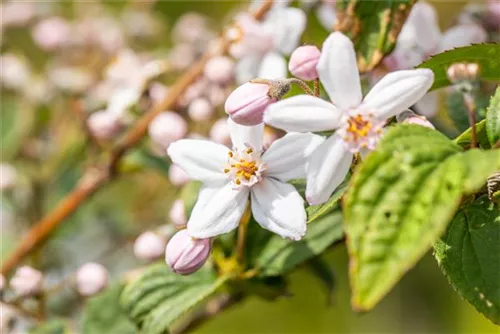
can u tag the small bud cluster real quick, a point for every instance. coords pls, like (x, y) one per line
(464, 76)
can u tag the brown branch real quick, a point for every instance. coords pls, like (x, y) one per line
(94, 180)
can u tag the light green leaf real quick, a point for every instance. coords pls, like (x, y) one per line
(401, 200)
(160, 297)
(486, 55)
(281, 255)
(493, 118)
(469, 255)
(189, 195)
(373, 26)
(103, 314)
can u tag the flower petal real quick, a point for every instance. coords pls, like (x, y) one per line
(242, 135)
(201, 159)
(278, 207)
(327, 168)
(286, 25)
(338, 71)
(303, 113)
(424, 27)
(286, 158)
(217, 211)
(273, 66)
(397, 91)
(462, 35)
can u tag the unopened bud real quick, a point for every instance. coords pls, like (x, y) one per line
(166, 128)
(104, 124)
(247, 103)
(462, 72)
(51, 33)
(185, 255)
(200, 110)
(220, 70)
(219, 132)
(91, 278)
(409, 117)
(8, 176)
(149, 246)
(303, 62)
(177, 176)
(26, 281)
(177, 214)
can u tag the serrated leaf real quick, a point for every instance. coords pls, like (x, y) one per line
(487, 56)
(160, 297)
(315, 212)
(281, 255)
(469, 255)
(103, 314)
(493, 118)
(401, 199)
(373, 26)
(465, 139)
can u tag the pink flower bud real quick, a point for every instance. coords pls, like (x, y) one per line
(409, 117)
(185, 255)
(8, 176)
(149, 246)
(104, 124)
(51, 33)
(220, 70)
(166, 128)
(303, 62)
(177, 214)
(247, 103)
(200, 110)
(26, 281)
(158, 92)
(91, 278)
(219, 132)
(177, 176)
(217, 95)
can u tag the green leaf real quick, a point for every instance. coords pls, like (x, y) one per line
(465, 139)
(373, 26)
(315, 212)
(401, 200)
(469, 255)
(160, 297)
(486, 55)
(281, 255)
(16, 123)
(493, 118)
(103, 314)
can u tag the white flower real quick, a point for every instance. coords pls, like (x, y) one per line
(358, 121)
(421, 37)
(260, 46)
(231, 176)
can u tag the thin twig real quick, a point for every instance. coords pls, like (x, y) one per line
(93, 181)
(470, 103)
(302, 85)
(317, 89)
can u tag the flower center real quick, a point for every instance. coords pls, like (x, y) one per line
(360, 130)
(244, 167)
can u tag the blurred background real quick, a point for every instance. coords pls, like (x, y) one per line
(61, 64)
